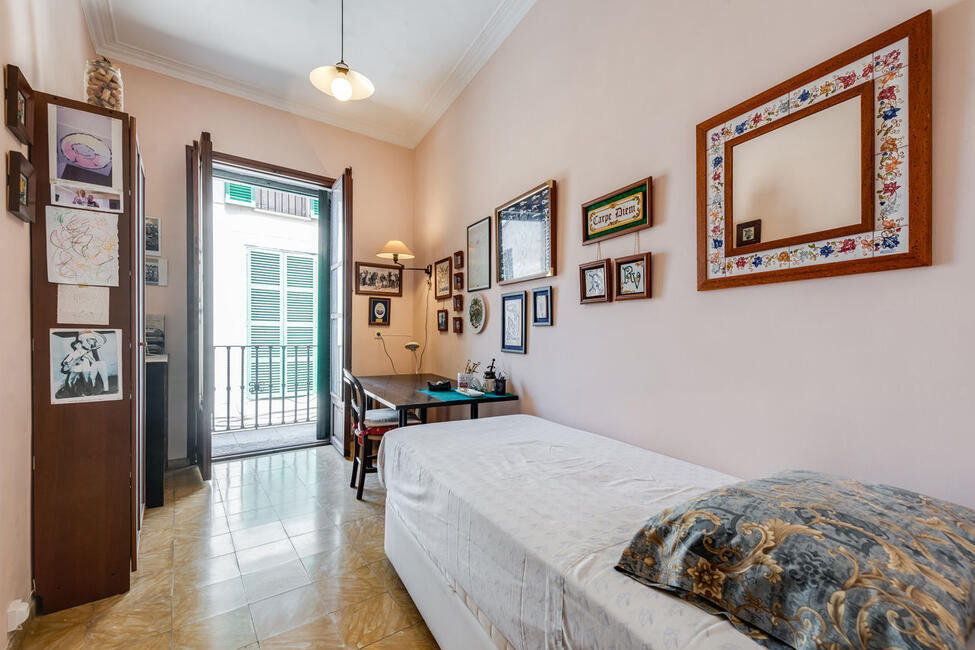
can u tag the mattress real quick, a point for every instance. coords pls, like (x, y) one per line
(527, 518)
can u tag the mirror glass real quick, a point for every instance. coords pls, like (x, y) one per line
(800, 178)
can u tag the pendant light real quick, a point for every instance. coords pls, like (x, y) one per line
(338, 80)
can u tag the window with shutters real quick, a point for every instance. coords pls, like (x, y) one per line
(282, 312)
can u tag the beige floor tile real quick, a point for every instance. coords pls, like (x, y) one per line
(366, 536)
(191, 604)
(128, 620)
(417, 637)
(162, 641)
(206, 571)
(64, 629)
(348, 588)
(190, 548)
(317, 541)
(152, 564)
(319, 634)
(228, 631)
(386, 574)
(332, 562)
(267, 555)
(246, 538)
(278, 614)
(370, 621)
(274, 580)
(306, 523)
(251, 518)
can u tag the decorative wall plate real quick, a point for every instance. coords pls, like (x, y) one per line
(477, 313)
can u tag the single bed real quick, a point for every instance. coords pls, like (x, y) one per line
(506, 530)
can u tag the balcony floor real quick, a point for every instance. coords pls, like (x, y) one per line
(246, 441)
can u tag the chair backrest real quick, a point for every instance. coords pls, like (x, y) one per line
(357, 398)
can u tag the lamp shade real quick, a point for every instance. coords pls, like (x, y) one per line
(395, 249)
(358, 87)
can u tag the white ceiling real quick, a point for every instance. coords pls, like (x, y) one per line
(420, 54)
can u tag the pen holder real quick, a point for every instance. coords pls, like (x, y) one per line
(500, 386)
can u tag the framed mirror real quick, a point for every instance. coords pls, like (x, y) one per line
(811, 178)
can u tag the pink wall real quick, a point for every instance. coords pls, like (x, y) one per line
(48, 40)
(866, 375)
(171, 114)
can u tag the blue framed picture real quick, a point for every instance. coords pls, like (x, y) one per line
(379, 311)
(513, 320)
(542, 306)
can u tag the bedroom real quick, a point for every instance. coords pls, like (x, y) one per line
(476, 109)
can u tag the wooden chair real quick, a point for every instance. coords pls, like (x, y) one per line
(369, 425)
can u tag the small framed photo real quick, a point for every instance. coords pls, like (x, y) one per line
(458, 281)
(596, 281)
(441, 320)
(21, 192)
(458, 325)
(513, 322)
(459, 302)
(18, 114)
(459, 260)
(541, 306)
(748, 232)
(379, 311)
(378, 279)
(157, 272)
(633, 277)
(153, 236)
(442, 271)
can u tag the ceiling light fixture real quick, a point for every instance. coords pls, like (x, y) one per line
(338, 80)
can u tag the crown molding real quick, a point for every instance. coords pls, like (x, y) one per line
(104, 37)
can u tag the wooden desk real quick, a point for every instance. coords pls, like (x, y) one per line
(402, 392)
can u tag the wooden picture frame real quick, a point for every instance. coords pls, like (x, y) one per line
(748, 233)
(458, 260)
(514, 322)
(542, 315)
(458, 281)
(18, 114)
(378, 279)
(21, 187)
(540, 204)
(379, 311)
(459, 302)
(895, 68)
(458, 325)
(443, 278)
(442, 318)
(619, 212)
(596, 281)
(633, 277)
(479, 255)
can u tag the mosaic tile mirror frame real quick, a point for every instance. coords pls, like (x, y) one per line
(891, 74)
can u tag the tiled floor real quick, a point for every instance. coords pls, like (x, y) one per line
(229, 443)
(275, 552)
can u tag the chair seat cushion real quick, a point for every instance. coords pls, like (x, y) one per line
(386, 418)
(372, 431)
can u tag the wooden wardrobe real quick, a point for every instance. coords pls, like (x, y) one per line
(88, 458)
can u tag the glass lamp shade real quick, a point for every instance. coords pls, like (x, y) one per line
(341, 82)
(395, 249)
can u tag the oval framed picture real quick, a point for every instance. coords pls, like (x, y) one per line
(477, 313)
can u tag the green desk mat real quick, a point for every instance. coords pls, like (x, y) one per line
(454, 396)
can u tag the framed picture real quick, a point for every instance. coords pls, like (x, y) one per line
(479, 255)
(21, 192)
(153, 236)
(458, 281)
(633, 277)
(459, 302)
(526, 231)
(477, 313)
(622, 211)
(748, 232)
(596, 281)
(513, 322)
(542, 306)
(85, 149)
(18, 114)
(441, 320)
(85, 197)
(442, 271)
(458, 260)
(378, 279)
(379, 311)
(458, 325)
(157, 272)
(86, 365)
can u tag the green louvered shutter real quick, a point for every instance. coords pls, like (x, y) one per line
(300, 322)
(264, 323)
(239, 193)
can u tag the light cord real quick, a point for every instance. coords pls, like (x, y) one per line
(387, 355)
(426, 327)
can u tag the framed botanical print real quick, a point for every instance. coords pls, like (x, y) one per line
(526, 229)
(479, 255)
(513, 322)
(596, 281)
(21, 192)
(458, 325)
(622, 211)
(632, 277)
(458, 260)
(378, 279)
(441, 320)
(542, 306)
(442, 271)
(459, 302)
(379, 311)
(18, 114)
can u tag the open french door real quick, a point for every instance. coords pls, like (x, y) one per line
(335, 340)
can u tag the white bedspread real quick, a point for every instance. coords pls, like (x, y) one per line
(529, 518)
